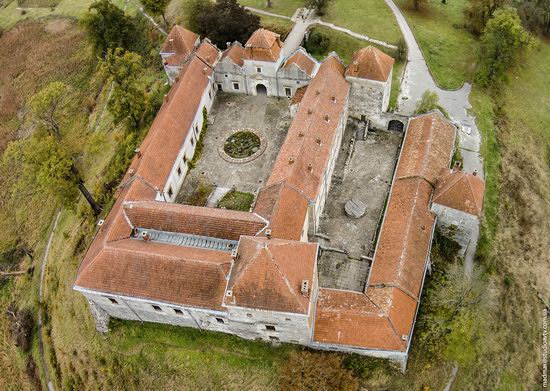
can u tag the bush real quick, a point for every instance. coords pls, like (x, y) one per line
(242, 144)
(21, 326)
(236, 200)
(307, 371)
(317, 42)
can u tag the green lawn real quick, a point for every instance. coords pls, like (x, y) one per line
(282, 7)
(449, 49)
(10, 15)
(369, 17)
(237, 200)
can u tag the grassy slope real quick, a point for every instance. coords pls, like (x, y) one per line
(449, 49)
(282, 7)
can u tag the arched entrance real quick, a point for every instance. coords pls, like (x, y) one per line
(261, 89)
(395, 125)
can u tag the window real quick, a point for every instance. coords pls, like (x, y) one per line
(236, 86)
(113, 301)
(178, 312)
(196, 129)
(156, 308)
(259, 69)
(269, 327)
(185, 159)
(220, 87)
(249, 315)
(192, 141)
(220, 320)
(170, 192)
(179, 171)
(225, 75)
(288, 319)
(273, 338)
(210, 94)
(288, 91)
(297, 81)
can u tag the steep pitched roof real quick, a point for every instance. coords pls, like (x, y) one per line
(370, 63)
(302, 60)
(268, 274)
(179, 41)
(285, 208)
(194, 220)
(235, 53)
(304, 155)
(461, 191)
(428, 146)
(263, 45)
(208, 53)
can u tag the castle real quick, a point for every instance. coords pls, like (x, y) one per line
(255, 273)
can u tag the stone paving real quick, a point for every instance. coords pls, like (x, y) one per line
(366, 176)
(268, 116)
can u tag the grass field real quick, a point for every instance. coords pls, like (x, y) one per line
(449, 49)
(282, 7)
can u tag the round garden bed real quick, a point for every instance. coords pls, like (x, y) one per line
(242, 146)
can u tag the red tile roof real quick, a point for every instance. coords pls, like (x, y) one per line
(208, 53)
(194, 220)
(263, 45)
(427, 148)
(285, 208)
(268, 274)
(235, 53)
(179, 41)
(303, 157)
(370, 63)
(302, 60)
(461, 191)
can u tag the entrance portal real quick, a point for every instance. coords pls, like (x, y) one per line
(261, 89)
(396, 125)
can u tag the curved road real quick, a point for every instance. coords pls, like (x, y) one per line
(416, 80)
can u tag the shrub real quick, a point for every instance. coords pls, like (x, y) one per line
(21, 326)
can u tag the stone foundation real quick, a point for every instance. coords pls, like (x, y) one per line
(101, 318)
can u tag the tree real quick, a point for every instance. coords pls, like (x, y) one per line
(417, 4)
(223, 21)
(45, 105)
(306, 371)
(478, 13)
(319, 6)
(45, 163)
(156, 7)
(129, 100)
(429, 102)
(109, 27)
(535, 15)
(503, 43)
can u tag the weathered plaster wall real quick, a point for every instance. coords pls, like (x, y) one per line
(455, 224)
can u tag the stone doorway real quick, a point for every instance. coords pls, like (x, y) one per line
(261, 89)
(396, 125)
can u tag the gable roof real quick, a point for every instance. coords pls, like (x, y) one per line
(268, 274)
(304, 155)
(302, 60)
(285, 208)
(235, 53)
(370, 63)
(208, 53)
(263, 45)
(427, 148)
(461, 191)
(179, 41)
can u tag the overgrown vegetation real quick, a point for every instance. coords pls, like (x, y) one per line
(236, 200)
(242, 144)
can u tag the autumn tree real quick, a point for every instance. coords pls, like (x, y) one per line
(156, 7)
(47, 104)
(429, 102)
(43, 162)
(129, 101)
(223, 21)
(306, 371)
(503, 43)
(478, 12)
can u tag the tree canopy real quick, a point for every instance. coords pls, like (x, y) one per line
(478, 13)
(156, 7)
(320, 6)
(45, 105)
(503, 43)
(223, 21)
(429, 102)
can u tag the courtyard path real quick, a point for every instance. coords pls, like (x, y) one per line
(416, 80)
(40, 298)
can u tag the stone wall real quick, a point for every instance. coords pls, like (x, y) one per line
(455, 225)
(368, 97)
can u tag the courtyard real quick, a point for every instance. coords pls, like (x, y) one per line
(364, 171)
(217, 173)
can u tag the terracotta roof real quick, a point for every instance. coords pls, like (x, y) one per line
(268, 274)
(285, 208)
(235, 53)
(427, 148)
(352, 318)
(298, 95)
(405, 238)
(194, 220)
(370, 63)
(461, 191)
(263, 45)
(179, 41)
(303, 157)
(173, 122)
(302, 60)
(208, 53)
(171, 274)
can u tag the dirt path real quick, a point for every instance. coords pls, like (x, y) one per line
(40, 301)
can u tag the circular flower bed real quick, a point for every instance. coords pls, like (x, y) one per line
(242, 144)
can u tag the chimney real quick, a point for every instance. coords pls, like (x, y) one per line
(301, 134)
(310, 167)
(456, 167)
(318, 140)
(166, 98)
(474, 173)
(204, 70)
(333, 98)
(138, 152)
(291, 160)
(177, 78)
(309, 111)
(228, 44)
(234, 254)
(131, 172)
(317, 92)
(326, 117)
(145, 236)
(304, 288)
(268, 233)
(356, 66)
